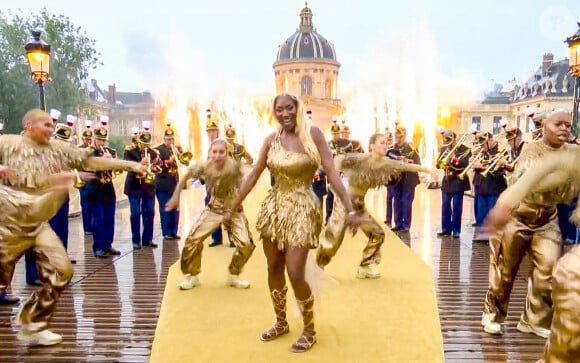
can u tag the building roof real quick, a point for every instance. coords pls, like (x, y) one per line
(133, 98)
(306, 42)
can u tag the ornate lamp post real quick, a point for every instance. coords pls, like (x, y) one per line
(38, 55)
(574, 70)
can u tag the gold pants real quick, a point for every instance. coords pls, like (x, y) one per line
(54, 268)
(336, 227)
(207, 222)
(563, 345)
(540, 238)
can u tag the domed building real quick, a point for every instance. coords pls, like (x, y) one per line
(306, 66)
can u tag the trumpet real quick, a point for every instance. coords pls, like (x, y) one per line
(443, 160)
(151, 170)
(493, 165)
(79, 183)
(184, 157)
(106, 153)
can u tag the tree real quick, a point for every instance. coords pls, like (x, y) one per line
(73, 55)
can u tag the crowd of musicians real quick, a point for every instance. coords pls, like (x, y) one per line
(477, 160)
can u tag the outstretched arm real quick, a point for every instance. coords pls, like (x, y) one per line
(100, 163)
(251, 179)
(327, 162)
(193, 172)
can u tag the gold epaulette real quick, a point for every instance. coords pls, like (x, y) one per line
(130, 147)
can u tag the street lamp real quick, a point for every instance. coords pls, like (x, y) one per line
(38, 55)
(574, 70)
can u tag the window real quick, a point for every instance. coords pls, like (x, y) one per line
(496, 125)
(518, 121)
(306, 86)
(477, 121)
(328, 88)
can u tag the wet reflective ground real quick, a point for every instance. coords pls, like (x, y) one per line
(109, 312)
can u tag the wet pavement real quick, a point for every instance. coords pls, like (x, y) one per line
(109, 312)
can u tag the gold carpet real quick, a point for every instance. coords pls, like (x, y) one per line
(391, 319)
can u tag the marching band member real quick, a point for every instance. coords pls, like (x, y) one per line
(100, 193)
(55, 270)
(363, 172)
(59, 222)
(453, 159)
(392, 154)
(403, 190)
(338, 146)
(552, 171)
(222, 176)
(516, 144)
(345, 134)
(87, 141)
(141, 189)
(532, 228)
(166, 181)
(235, 150)
(489, 179)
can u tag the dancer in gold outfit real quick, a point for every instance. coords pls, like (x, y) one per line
(551, 172)
(362, 172)
(36, 156)
(222, 176)
(290, 218)
(533, 229)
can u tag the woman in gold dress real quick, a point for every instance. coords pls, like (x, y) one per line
(362, 172)
(551, 172)
(290, 218)
(222, 176)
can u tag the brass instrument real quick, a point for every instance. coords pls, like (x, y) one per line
(151, 169)
(496, 158)
(79, 183)
(184, 158)
(105, 151)
(443, 160)
(478, 156)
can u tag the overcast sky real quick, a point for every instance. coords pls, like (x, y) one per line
(230, 40)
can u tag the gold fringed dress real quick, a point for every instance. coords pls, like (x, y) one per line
(290, 216)
(362, 172)
(222, 185)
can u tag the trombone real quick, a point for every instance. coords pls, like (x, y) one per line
(184, 157)
(493, 165)
(475, 159)
(446, 155)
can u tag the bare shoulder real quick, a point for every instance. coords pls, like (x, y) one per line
(316, 132)
(270, 138)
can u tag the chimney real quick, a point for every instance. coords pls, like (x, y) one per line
(112, 94)
(547, 62)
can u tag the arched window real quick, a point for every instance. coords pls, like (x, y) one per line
(306, 86)
(328, 88)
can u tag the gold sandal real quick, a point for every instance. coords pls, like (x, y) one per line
(304, 343)
(280, 328)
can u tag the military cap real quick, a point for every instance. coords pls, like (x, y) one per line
(169, 133)
(230, 132)
(512, 132)
(538, 118)
(54, 114)
(63, 132)
(400, 130)
(334, 129)
(88, 133)
(101, 133)
(483, 137)
(345, 128)
(448, 137)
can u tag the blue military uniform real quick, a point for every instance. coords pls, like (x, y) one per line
(337, 147)
(165, 183)
(403, 190)
(452, 187)
(141, 191)
(59, 222)
(567, 228)
(100, 193)
(490, 183)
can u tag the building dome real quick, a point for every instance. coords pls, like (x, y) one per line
(306, 43)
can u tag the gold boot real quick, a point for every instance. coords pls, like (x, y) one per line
(308, 337)
(281, 326)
